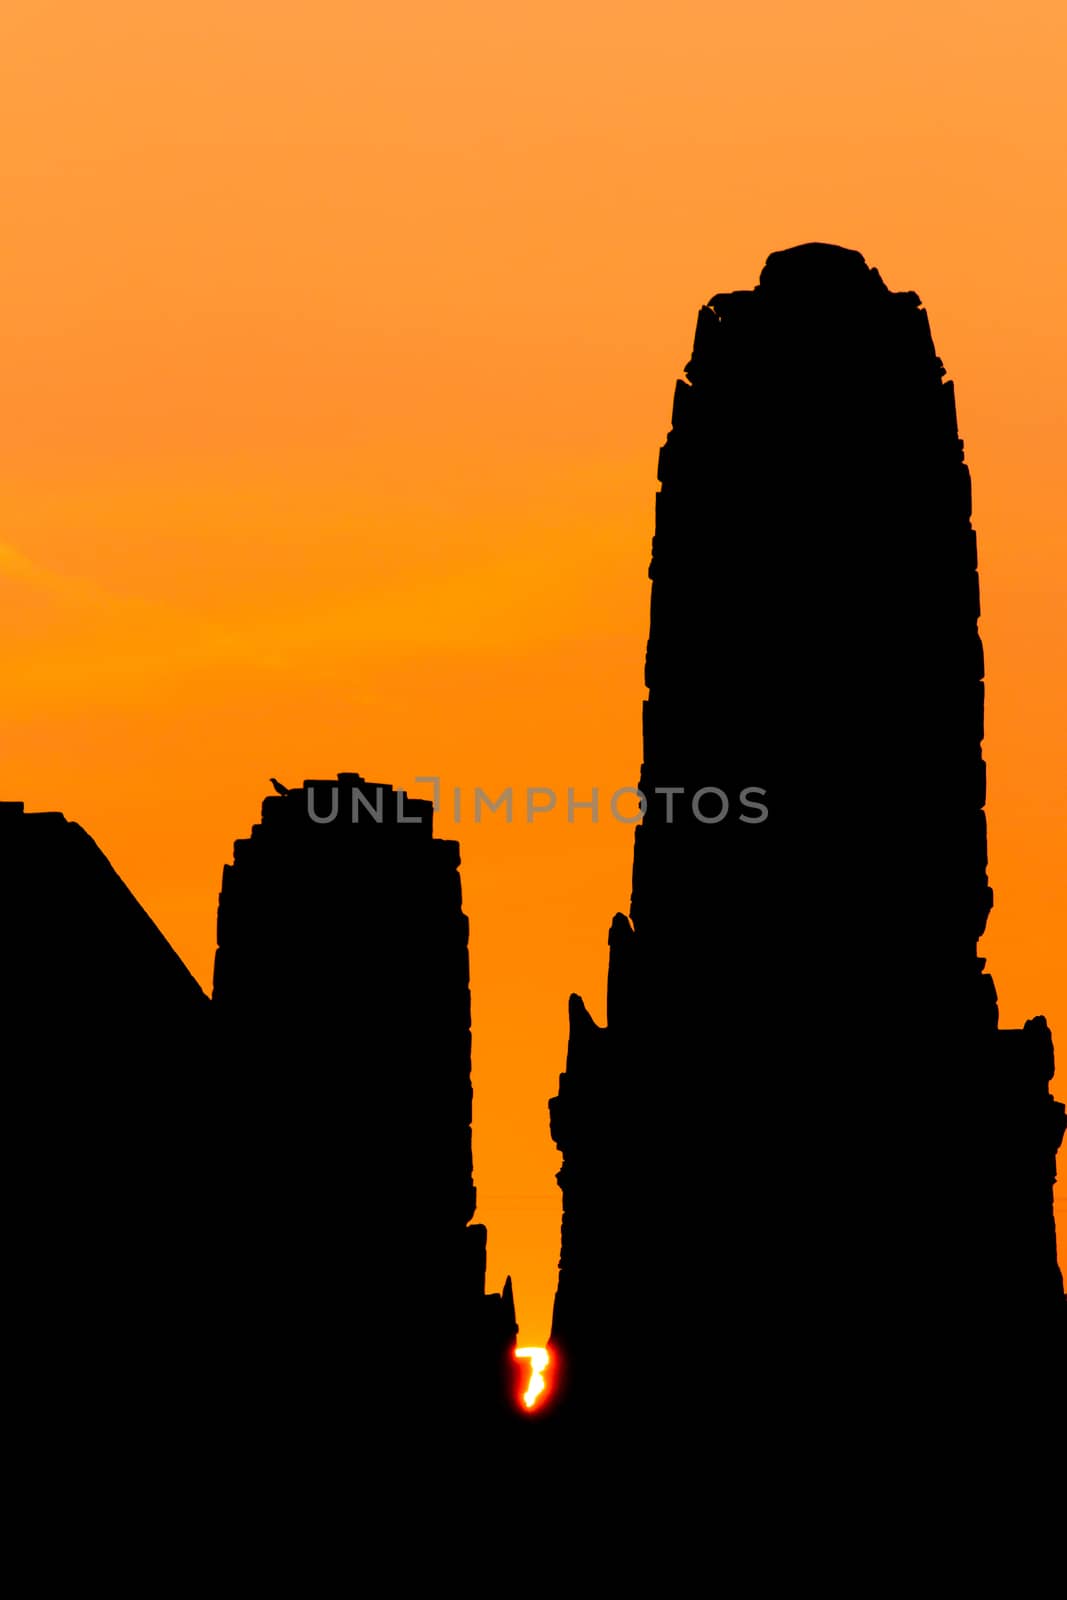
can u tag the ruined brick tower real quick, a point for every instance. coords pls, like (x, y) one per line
(342, 1002)
(802, 1142)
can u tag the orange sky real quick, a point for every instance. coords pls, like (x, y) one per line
(339, 344)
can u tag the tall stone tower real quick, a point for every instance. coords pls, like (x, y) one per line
(801, 1141)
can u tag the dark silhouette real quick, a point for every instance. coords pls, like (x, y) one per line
(807, 1178)
(342, 1007)
(243, 1239)
(802, 1167)
(105, 1088)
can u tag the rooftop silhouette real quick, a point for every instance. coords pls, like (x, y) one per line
(105, 1032)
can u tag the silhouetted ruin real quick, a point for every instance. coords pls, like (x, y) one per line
(244, 1234)
(104, 1036)
(342, 1003)
(83, 963)
(802, 1166)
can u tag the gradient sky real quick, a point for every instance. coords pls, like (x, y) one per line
(339, 344)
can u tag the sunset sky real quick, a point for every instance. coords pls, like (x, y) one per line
(339, 344)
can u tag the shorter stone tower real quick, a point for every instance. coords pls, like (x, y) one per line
(342, 1001)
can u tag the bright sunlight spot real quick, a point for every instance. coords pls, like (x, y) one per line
(538, 1360)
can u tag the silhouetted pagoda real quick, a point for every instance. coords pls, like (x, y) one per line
(342, 1001)
(803, 1167)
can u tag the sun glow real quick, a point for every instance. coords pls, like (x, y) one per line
(538, 1360)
